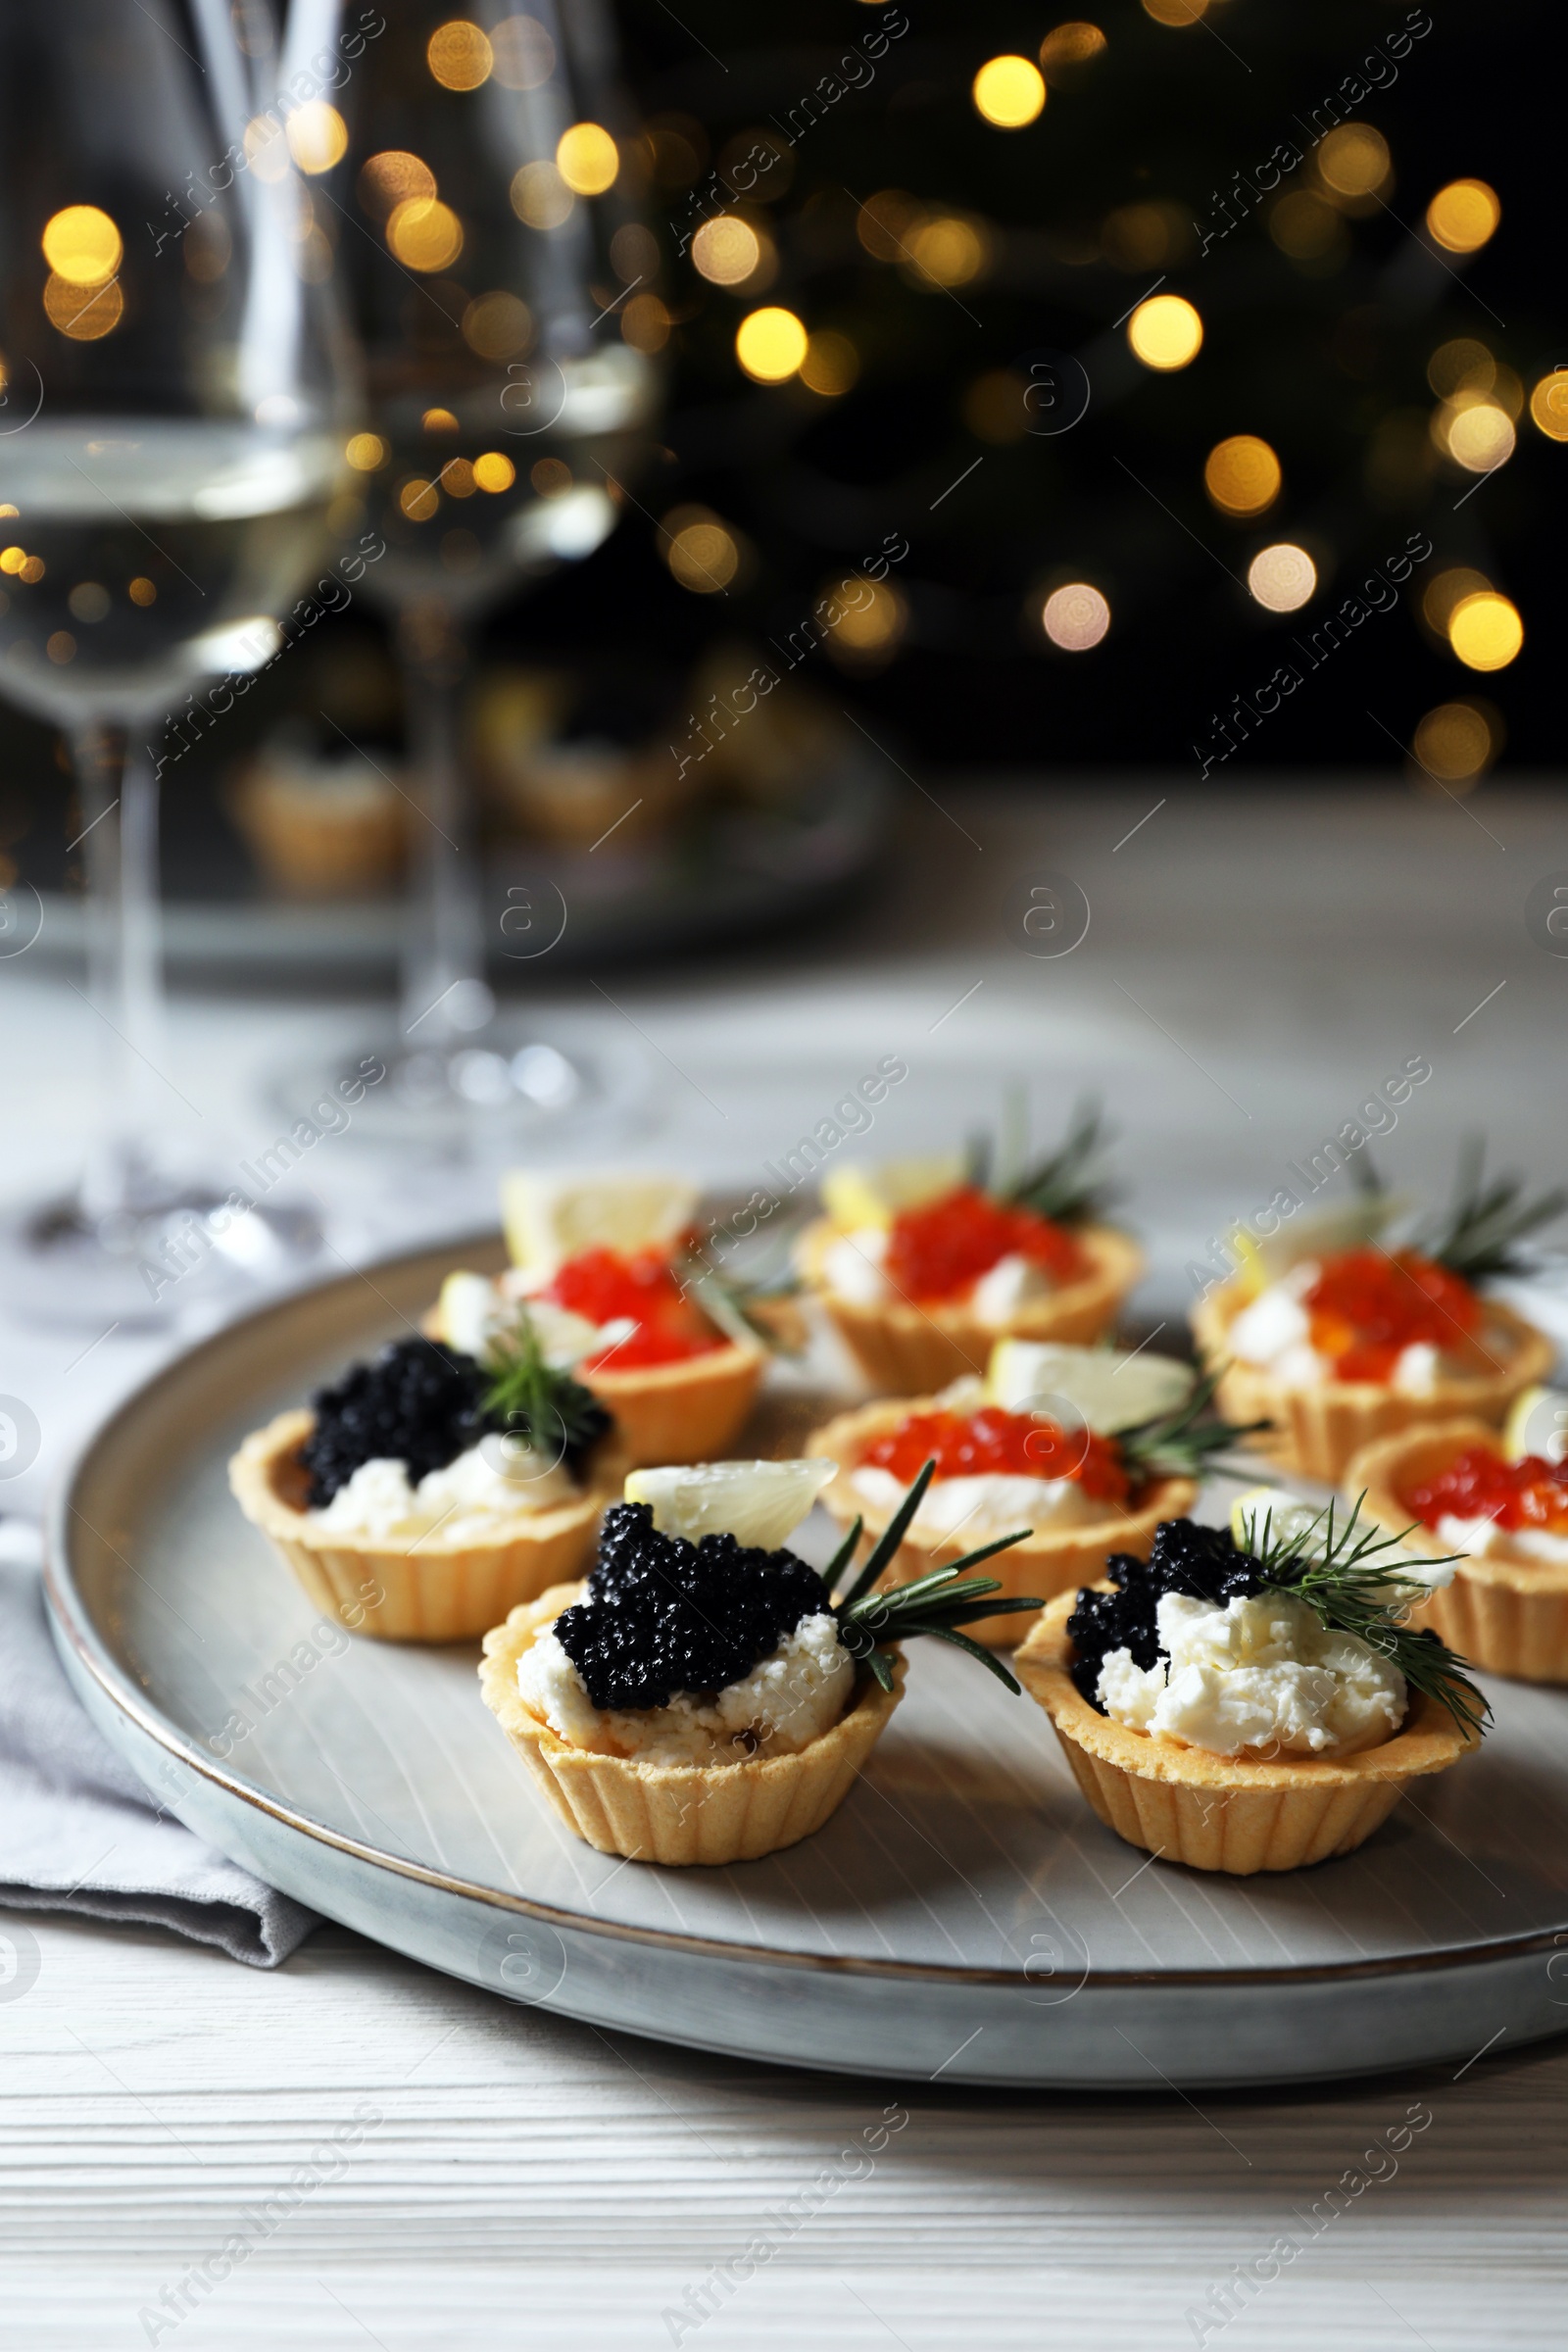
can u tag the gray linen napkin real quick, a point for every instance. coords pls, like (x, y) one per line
(78, 1829)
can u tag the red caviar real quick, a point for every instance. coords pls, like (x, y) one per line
(1367, 1306)
(1481, 1485)
(971, 1444)
(943, 1246)
(607, 1285)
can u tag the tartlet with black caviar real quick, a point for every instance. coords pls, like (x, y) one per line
(425, 1493)
(705, 1695)
(1252, 1705)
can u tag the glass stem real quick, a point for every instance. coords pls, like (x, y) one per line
(124, 961)
(445, 997)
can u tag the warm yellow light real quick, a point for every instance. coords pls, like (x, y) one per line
(497, 325)
(12, 558)
(267, 156)
(142, 592)
(726, 251)
(587, 159)
(703, 556)
(1485, 631)
(1281, 578)
(424, 233)
(1010, 92)
(1175, 12)
(439, 420)
(494, 472)
(1075, 617)
(1305, 226)
(1454, 742)
(645, 323)
(1462, 216)
(1166, 332)
(459, 55)
(1070, 46)
(456, 479)
(418, 498)
(1354, 159)
(867, 633)
(1443, 595)
(32, 570)
(551, 476)
(85, 314)
(318, 137)
(83, 245)
(948, 251)
(540, 197)
(1549, 405)
(1479, 437)
(60, 648)
(770, 345)
(385, 179)
(525, 53)
(1463, 365)
(883, 221)
(1242, 475)
(831, 364)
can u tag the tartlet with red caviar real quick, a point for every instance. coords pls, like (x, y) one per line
(1086, 1449)
(1251, 1705)
(1501, 1507)
(1337, 1346)
(924, 1265)
(613, 1268)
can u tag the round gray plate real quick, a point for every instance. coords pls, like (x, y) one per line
(963, 1916)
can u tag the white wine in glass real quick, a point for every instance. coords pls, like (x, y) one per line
(177, 377)
(497, 262)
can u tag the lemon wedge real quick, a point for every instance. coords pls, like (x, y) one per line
(866, 1192)
(1538, 1423)
(1107, 1390)
(758, 1503)
(466, 1313)
(551, 1218)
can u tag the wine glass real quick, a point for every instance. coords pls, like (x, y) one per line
(175, 376)
(497, 264)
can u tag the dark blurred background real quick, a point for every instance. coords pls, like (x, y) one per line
(1380, 325)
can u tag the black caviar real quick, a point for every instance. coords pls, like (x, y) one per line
(663, 1615)
(1201, 1561)
(420, 1402)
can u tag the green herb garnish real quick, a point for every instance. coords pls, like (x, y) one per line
(532, 1401)
(1183, 1443)
(1483, 1224)
(1347, 1578)
(936, 1605)
(736, 1304)
(1069, 1186)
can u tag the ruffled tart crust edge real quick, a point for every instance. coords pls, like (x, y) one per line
(421, 1588)
(1227, 1813)
(911, 1350)
(678, 1814)
(1045, 1563)
(688, 1411)
(1318, 1430)
(1505, 1612)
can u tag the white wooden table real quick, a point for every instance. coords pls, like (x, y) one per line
(519, 2181)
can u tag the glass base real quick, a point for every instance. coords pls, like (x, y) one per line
(168, 1250)
(496, 1088)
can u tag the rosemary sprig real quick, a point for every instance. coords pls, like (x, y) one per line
(936, 1603)
(1184, 1443)
(1069, 1186)
(737, 1303)
(530, 1399)
(1480, 1231)
(1347, 1576)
